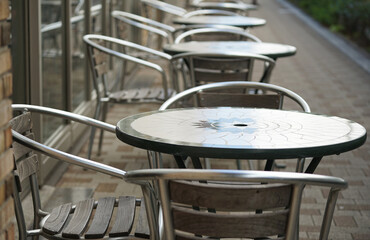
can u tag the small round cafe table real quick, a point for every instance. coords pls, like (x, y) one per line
(241, 133)
(236, 21)
(272, 50)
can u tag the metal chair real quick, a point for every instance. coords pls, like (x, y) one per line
(163, 33)
(69, 220)
(238, 94)
(239, 7)
(216, 34)
(196, 204)
(160, 31)
(200, 68)
(99, 51)
(174, 10)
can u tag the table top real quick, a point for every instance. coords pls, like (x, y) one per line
(273, 50)
(244, 133)
(225, 5)
(236, 21)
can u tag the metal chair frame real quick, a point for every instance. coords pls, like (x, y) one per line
(123, 96)
(256, 88)
(182, 12)
(198, 179)
(166, 32)
(240, 33)
(27, 166)
(230, 71)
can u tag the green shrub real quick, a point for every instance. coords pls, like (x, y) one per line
(350, 17)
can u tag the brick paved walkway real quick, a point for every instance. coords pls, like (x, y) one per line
(331, 83)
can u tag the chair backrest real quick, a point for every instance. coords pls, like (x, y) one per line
(248, 94)
(203, 68)
(125, 20)
(196, 203)
(219, 33)
(217, 12)
(179, 11)
(100, 47)
(237, 7)
(162, 6)
(27, 162)
(26, 168)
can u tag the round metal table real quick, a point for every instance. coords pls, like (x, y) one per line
(236, 21)
(273, 50)
(241, 133)
(225, 6)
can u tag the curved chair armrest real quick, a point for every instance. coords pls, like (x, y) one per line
(66, 157)
(209, 12)
(226, 175)
(217, 29)
(118, 14)
(236, 6)
(125, 56)
(87, 38)
(223, 55)
(233, 84)
(166, 7)
(66, 115)
(144, 23)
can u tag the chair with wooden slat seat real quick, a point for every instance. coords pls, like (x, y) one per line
(100, 48)
(226, 33)
(198, 68)
(174, 10)
(87, 219)
(196, 204)
(153, 33)
(239, 94)
(236, 6)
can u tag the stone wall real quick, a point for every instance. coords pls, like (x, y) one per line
(7, 226)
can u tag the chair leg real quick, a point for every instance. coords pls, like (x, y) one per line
(207, 163)
(238, 164)
(300, 164)
(196, 162)
(269, 164)
(104, 117)
(93, 129)
(123, 75)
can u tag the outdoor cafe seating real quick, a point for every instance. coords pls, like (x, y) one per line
(69, 220)
(216, 100)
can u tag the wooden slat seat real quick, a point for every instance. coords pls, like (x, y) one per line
(105, 218)
(76, 221)
(140, 95)
(200, 204)
(101, 49)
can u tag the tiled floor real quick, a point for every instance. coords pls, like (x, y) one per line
(329, 81)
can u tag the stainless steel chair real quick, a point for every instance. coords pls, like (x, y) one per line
(216, 34)
(156, 32)
(200, 68)
(239, 94)
(69, 220)
(239, 7)
(163, 33)
(99, 49)
(196, 204)
(149, 5)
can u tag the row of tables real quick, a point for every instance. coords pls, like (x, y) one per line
(239, 133)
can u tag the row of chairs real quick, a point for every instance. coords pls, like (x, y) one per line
(175, 208)
(167, 33)
(196, 69)
(177, 203)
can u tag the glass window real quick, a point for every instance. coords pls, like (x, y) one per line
(51, 45)
(78, 57)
